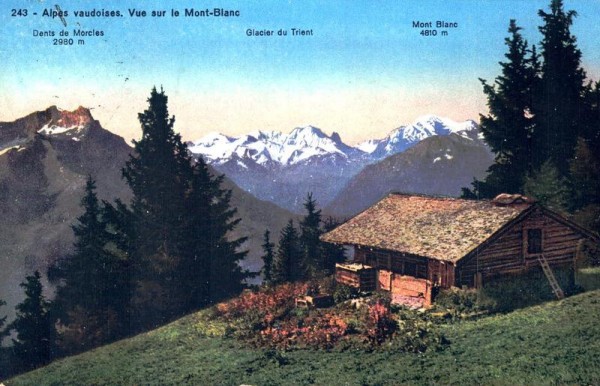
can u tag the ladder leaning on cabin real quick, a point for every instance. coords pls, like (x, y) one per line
(550, 276)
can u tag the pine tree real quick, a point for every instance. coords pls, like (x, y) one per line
(548, 187)
(585, 174)
(93, 281)
(287, 265)
(179, 225)
(268, 257)
(310, 231)
(208, 251)
(509, 128)
(33, 325)
(88, 275)
(560, 97)
(158, 173)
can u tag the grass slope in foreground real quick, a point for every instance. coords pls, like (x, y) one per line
(557, 342)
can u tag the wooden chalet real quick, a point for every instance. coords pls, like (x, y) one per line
(409, 244)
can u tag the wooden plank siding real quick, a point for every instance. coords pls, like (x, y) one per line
(396, 262)
(509, 252)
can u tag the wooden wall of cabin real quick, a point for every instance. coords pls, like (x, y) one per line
(441, 273)
(392, 261)
(509, 253)
(360, 254)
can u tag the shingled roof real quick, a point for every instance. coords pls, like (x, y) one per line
(444, 229)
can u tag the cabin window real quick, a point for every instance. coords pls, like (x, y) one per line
(534, 241)
(410, 269)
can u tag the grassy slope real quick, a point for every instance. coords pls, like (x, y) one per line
(556, 342)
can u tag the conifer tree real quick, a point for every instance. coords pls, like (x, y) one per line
(208, 251)
(548, 187)
(287, 265)
(33, 325)
(268, 257)
(89, 277)
(310, 231)
(93, 283)
(509, 127)
(560, 97)
(179, 223)
(158, 174)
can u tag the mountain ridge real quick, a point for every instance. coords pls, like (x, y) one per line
(284, 168)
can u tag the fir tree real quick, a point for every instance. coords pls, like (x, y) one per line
(560, 97)
(33, 325)
(179, 223)
(509, 127)
(93, 281)
(209, 253)
(310, 231)
(287, 264)
(158, 173)
(268, 257)
(90, 276)
(548, 187)
(585, 174)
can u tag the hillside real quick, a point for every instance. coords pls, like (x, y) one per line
(438, 165)
(555, 342)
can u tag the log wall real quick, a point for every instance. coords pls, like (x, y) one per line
(509, 253)
(364, 279)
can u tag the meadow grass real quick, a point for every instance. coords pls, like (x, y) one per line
(552, 343)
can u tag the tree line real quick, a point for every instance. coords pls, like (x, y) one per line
(140, 264)
(301, 255)
(544, 122)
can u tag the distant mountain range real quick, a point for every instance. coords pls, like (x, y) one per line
(438, 165)
(45, 158)
(283, 168)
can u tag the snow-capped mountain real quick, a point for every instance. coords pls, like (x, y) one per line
(272, 147)
(303, 143)
(405, 137)
(283, 168)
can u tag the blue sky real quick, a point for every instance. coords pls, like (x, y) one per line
(364, 71)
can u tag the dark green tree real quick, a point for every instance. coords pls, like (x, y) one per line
(287, 265)
(548, 187)
(209, 252)
(559, 106)
(509, 127)
(91, 277)
(268, 257)
(179, 225)
(158, 174)
(94, 281)
(34, 326)
(311, 246)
